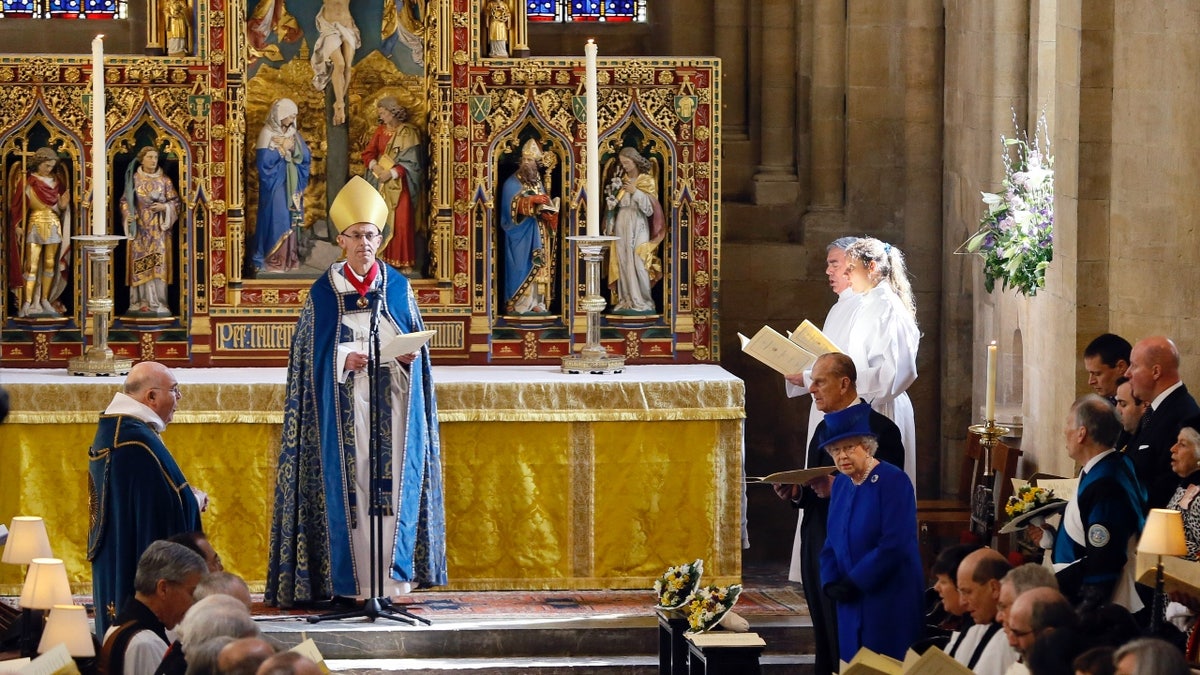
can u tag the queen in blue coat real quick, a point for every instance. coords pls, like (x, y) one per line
(870, 565)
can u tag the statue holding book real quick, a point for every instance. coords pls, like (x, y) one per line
(529, 222)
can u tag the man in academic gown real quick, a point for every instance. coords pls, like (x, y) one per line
(324, 494)
(137, 491)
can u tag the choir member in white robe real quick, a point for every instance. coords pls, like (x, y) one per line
(836, 328)
(883, 337)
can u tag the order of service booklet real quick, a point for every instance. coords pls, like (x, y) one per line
(790, 354)
(794, 476)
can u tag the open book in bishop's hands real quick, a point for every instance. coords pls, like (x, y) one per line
(787, 355)
(404, 343)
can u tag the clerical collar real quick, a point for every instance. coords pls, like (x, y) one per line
(124, 404)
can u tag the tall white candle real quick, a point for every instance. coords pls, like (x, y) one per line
(593, 142)
(99, 169)
(989, 406)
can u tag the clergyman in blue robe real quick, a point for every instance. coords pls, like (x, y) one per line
(325, 496)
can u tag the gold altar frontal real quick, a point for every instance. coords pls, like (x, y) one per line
(552, 481)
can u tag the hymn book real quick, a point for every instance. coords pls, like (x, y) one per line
(776, 351)
(933, 662)
(404, 343)
(56, 661)
(808, 336)
(867, 662)
(794, 476)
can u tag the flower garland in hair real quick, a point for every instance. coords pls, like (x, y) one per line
(709, 605)
(1016, 234)
(675, 587)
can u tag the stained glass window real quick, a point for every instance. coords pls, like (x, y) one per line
(63, 9)
(586, 10)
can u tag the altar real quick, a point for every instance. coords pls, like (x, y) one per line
(552, 481)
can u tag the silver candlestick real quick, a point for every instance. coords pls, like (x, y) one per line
(98, 359)
(593, 358)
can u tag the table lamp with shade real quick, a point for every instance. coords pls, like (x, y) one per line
(1162, 535)
(45, 586)
(67, 625)
(26, 540)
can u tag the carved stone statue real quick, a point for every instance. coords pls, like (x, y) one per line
(529, 221)
(499, 16)
(635, 216)
(395, 164)
(40, 227)
(151, 207)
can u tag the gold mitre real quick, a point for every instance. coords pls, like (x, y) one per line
(358, 202)
(531, 150)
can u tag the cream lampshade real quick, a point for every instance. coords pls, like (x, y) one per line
(45, 585)
(68, 625)
(26, 540)
(1163, 533)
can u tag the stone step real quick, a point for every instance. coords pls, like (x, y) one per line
(579, 665)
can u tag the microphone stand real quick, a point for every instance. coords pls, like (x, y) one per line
(378, 605)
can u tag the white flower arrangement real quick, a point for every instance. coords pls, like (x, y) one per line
(675, 587)
(1016, 235)
(709, 605)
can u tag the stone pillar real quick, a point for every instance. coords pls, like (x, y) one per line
(729, 42)
(775, 180)
(827, 113)
(520, 29)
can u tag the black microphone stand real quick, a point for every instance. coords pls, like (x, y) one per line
(378, 605)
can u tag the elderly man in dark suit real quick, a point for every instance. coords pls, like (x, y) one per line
(1154, 376)
(832, 386)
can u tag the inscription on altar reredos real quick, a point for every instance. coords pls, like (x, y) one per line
(254, 336)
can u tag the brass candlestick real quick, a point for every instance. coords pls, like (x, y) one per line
(593, 358)
(989, 434)
(98, 359)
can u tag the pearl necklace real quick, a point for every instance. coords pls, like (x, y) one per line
(871, 464)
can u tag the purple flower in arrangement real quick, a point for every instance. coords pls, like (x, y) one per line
(1016, 233)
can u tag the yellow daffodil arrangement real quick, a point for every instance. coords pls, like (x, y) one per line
(1028, 498)
(675, 587)
(709, 605)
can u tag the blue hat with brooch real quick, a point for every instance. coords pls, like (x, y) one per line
(852, 422)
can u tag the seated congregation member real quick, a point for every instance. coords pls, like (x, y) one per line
(167, 576)
(1041, 628)
(225, 583)
(243, 656)
(139, 492)
(289, 663)
(1095, 661)
(1185, 462)
(870, 565)
(211, 617)
(1020, 579)
(831, 383)
(1131, 410)
(948, 621)
(985, 648)
(1150, 656)
(198, 542)
(1104, 518)
(203, 658)
(1106, 358)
